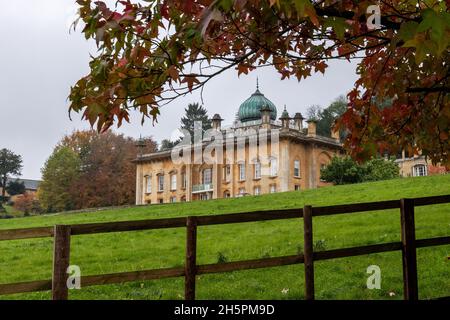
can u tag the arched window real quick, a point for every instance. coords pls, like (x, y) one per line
(420, 170)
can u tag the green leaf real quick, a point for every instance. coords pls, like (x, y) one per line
(408, 30)
(338, 24)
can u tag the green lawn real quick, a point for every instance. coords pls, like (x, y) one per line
(24, 260)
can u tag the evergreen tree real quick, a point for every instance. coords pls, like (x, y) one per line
(167, 144)
(326, 117)
(195, 112)
(15, 187)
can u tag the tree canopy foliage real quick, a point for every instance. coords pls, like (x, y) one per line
(15, 187)
(153, 52)
(88, 169)
(195, 112)
(10, 164)
(326, 117)
(58, 174)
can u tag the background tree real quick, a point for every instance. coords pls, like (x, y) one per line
(167, 144)
(15, 187)
(326, 118)
(141, 64)
(314, 112)
(10, 164)
(100, 171)
(60, 170)
(195, 112)
(331, 114)
(27, 203)
(108, 175)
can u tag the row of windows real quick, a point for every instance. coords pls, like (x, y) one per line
(160, 182)
(257, 170)
(242, 192)
(257, 190)
(207, 175)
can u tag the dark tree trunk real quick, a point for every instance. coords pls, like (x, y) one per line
(3, 189)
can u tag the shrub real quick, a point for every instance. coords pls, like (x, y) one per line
(342, 170)
(27, 203)
(380, 169)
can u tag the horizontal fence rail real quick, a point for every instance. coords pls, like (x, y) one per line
(62, 234)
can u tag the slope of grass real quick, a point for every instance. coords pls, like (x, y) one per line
(23, 260)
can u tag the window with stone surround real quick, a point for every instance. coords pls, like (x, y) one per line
(241, 171)
(173, 181)
(420, 170)
(297, 168)
(148, 184)
(273, 167)
(207, 176)
(160, 183)
(257, 173)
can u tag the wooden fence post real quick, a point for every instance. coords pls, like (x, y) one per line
(61, 259)
(191, 256)
(308, 252)
(410, 286)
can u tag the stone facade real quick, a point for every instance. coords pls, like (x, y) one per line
(417, 165)
(290, 162)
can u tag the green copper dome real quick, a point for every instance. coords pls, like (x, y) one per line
(251, 108)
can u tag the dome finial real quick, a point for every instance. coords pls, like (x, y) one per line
(257, 83)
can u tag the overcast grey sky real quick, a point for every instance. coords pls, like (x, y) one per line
(40, 60)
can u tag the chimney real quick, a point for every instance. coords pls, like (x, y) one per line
(312, 127)
(298, 121)
(335, 134)
(265, 114)
(216, 122)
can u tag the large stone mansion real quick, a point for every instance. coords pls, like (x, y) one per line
(262, 155)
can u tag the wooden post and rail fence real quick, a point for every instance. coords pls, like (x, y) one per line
(63, 233)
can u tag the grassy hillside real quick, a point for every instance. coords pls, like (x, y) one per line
(24, 260)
